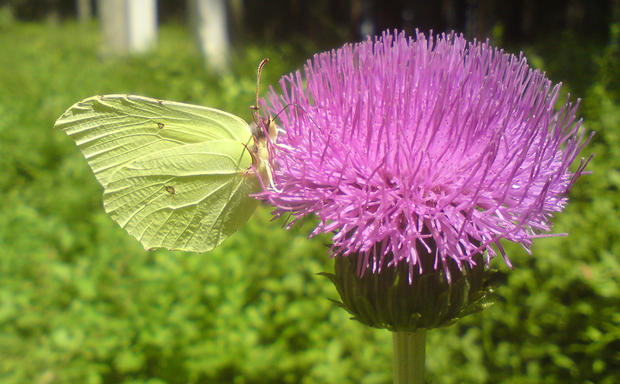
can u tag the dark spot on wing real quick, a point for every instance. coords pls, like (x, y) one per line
(160, 125)
(170, 189)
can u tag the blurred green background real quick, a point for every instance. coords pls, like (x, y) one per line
(81, 302)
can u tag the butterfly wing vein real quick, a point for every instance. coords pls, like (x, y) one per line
(175, 175)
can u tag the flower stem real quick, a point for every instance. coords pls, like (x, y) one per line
(409, 357)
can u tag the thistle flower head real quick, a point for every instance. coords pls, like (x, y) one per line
(422, 147)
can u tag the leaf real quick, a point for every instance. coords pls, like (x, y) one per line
(175, 175)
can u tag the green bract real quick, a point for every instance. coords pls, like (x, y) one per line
(174, 175)
(429, 300)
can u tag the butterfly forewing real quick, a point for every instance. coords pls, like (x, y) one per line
(113, 130)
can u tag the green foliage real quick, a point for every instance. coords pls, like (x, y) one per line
(80, 301)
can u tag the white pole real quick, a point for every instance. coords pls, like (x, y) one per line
(128, 26)
(211, 29)
(142, 25)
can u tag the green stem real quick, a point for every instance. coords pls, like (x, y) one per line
(409, 357)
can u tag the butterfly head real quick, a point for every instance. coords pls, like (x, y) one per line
(265, 135)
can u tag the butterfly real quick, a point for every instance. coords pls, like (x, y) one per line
(174, 175)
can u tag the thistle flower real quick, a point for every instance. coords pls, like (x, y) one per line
(411, 148)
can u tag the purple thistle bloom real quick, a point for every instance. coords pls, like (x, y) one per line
(400, 145)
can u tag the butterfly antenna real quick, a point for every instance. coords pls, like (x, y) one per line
(262, 63)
